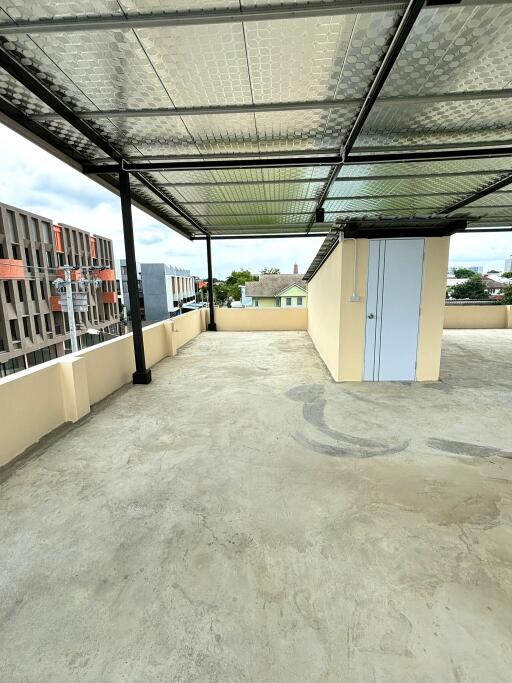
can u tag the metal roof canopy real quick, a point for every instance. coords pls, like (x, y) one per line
(242, 120)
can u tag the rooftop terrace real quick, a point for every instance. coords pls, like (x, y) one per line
(250, 519)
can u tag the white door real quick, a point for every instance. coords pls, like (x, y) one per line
(395, 274)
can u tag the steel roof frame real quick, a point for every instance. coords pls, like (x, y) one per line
(483, 95)
(359, 159)
(216, 16)
(345, 156)
(493, 187)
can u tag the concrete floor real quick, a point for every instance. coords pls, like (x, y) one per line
(244, 518)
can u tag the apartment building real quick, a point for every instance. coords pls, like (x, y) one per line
(162, 289)
(33, 327)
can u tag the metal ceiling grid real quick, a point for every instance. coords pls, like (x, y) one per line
(272, 58)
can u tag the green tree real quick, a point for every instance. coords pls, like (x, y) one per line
(474, 288)
(231, 286)
(270, 271)
(507, 273)
(464, 272)
(507, 295)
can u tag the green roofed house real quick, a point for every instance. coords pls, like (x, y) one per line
(272, 291)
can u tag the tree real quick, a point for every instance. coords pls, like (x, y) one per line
(493, 271)
(507, 295)
(270, 271)
(507, 273)
(474, 288)
(231, 287)
(464, 272)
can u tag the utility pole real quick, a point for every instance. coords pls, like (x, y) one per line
(65, 286)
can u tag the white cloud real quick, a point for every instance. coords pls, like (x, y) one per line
(32, 179)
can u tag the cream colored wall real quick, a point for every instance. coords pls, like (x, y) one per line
(36, 401)
(337, 324)
(261, 319)
(430, 333)
(477, 317)
(264, 302)
(324, 309)
(353, 313)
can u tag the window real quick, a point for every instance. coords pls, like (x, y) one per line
(26, 327)
(256, 303)
(47, 237)
(12, 226)
(37, 324)
(278, 302)
(14, 330)
(288, 300)
(16, 254)
(20, 291)
(7, 287)
(47, 322)
(49, 259)
(28, 260)
(26, 229)
(12, 366)
(60, 258)
(32, 290)
(39, 260)
(299, 301)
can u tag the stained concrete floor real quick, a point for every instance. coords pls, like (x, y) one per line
(244, 518)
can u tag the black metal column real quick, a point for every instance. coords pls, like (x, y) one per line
(211, 325)
(141, 375)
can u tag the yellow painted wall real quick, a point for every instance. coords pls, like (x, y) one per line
(430, 337)
(324, 309)
(477, 317)
(260, 319)
(337, 324)
(36, 401)
(264, 302)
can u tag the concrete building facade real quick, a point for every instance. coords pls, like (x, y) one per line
(33, 327)
(162, 289)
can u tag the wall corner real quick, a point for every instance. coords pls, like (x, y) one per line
(74, 388)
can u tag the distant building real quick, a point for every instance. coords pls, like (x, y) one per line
(162, 289)
(508, 264)
(165, 289)
(33, 327)
(275, 291)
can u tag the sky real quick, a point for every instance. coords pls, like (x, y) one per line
(34, 180)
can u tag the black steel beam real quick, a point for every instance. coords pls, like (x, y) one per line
(198, 18)
(493, 187)
(265, 236)
(285, 162)
(212, 327)
(171, 204)
(142, 375)
(402, 32)
(262, 108)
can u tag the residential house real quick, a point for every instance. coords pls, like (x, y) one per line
(272, 291)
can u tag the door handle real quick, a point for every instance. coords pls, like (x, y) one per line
(371, 316)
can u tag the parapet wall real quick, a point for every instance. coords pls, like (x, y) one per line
(261, 319)
(36, 401)
(477, 317)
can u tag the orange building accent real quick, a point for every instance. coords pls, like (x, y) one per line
(109, 297)
(92, 244)
(74, 275)
(57, 236)
(11, 269)
(55, 303)
(107, 275)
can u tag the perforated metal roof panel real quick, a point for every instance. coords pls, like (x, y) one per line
(304, 102)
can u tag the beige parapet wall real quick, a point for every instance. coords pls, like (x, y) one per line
(477, 317)
(36, 401)
(261, 319)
